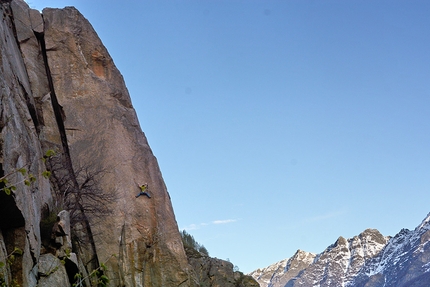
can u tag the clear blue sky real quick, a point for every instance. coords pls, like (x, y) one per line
(279, 125)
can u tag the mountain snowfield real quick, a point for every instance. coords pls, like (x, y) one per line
(366, 260)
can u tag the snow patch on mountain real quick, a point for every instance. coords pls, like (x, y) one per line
(368, 259)
(279, 273)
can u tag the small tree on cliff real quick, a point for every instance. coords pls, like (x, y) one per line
(77, 190)
(80, 193)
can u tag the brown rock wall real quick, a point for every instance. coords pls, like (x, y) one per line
(102, 128)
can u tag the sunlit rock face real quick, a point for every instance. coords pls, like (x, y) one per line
(60, 90)
(367, 260)
(103, 131)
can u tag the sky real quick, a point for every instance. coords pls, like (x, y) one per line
(278, 125)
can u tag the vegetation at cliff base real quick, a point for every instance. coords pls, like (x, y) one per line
(190, 244)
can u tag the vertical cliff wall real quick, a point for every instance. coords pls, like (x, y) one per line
(60, 90)
(20, 148)
(102, 130)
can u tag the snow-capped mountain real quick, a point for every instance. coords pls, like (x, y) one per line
(405, 261)
(367, 260)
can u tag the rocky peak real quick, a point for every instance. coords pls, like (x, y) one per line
(404, 260)
(366, 260)
(299, 258)
(265, 275)
(280, 273)
(425, 224)
(338, 264)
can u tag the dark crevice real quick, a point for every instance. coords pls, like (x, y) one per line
(10, 214)
(67, 161)
(71, 270)
(58, 109)
(122, 247)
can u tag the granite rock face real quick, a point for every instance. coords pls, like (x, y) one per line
(102, 130)
(367, 260)
(51, 272)
(60, 91)
(20, 213)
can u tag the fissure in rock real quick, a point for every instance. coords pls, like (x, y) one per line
(86, 243)
(58, 109)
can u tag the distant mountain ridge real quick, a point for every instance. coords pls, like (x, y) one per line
(366, 260)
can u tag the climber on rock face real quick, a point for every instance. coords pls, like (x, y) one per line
(143, 190)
